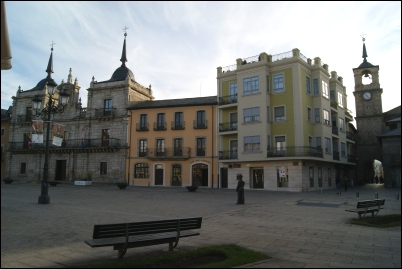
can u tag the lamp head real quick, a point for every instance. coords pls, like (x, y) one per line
(64, 98)
(37, 102)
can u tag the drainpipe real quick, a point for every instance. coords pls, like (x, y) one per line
(129, 148)
(212, 185)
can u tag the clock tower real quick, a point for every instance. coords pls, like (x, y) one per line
(369, 118)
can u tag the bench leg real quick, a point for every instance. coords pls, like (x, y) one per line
(360, 215)
(121, 253)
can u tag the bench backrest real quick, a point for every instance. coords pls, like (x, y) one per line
(148, 227)
(370, 203)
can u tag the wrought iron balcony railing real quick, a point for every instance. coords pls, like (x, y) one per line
(229, 99)
(159, 126)
(24, 118)
(227, 126)
(174, 153)
(71, 143)
(296, 152)
(335, 130)
(200, 125)
(177, 125)
(141, 127)
(350, 136)
(105, 112)
(228, 154)
(335, 155)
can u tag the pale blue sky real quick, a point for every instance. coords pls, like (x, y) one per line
(177, 46)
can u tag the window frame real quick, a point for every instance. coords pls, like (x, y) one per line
(254, 117)
(253, 141)
(284, 114)
(23, 168)
(251, 85)
(326, 117)
(328, 145)
(278, 83)
(200, 146)
(343, 149)
(142, 147)
(341, 125)
(340, 99)
(309, 114)
(325, 92)
(308, 85)
(143, 120)
(103, 168)
(141, 169)
(316, 90)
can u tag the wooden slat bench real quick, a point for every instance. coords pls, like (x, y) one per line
(368, 206)
(138, 234)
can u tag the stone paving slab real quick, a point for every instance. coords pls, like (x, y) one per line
(52, 236)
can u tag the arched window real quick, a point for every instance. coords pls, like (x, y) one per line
(141, 170)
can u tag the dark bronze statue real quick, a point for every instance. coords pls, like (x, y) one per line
(240, 189)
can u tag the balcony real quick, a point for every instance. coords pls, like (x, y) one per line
(348, 114)
(227, 126)
(177, 125)
(229, 99)
(24, 118)
(228, 154)
(335, 155)
(296, 152)
(350, 136)
(335, 130)
(160, 126)
(200, 124)
(166, 153)
(105, 112)
(142, 127)
(71, 145)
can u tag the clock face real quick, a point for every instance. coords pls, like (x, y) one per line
(367, 96)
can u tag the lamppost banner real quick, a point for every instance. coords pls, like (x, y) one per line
(58, 132)
(37, 131)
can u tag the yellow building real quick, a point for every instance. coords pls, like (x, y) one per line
(283, 124)
(173, 142)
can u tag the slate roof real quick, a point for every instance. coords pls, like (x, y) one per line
(195, 101)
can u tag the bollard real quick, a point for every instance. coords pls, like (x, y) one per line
(321, 191)
(376, 195)
(397, 196)
(357, 194)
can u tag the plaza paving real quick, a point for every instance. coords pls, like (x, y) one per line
(296, 229)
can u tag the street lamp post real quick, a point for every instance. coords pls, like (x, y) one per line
(49, 108)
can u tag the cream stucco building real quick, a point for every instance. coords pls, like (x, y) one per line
(284, 124)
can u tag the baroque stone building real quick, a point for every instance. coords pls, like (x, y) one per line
(95, 137)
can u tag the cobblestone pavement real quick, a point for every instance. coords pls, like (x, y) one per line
(295, 229)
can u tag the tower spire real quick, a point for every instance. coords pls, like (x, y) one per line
(364, 48)
(49, 69)
(123, 54)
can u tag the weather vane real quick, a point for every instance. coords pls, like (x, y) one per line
(363, 34)
(125, 30)
(52, 44)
